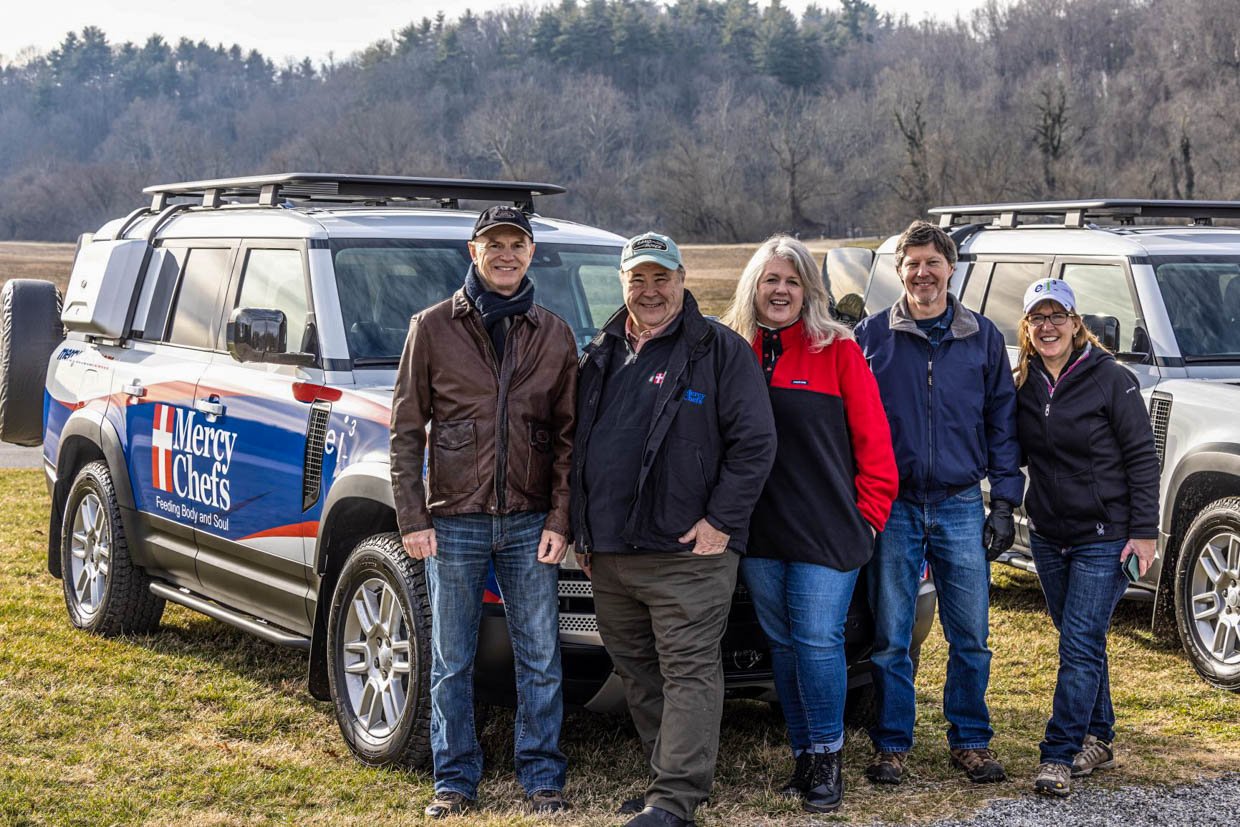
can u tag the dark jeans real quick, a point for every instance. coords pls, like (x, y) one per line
(949, 535)
(456, 578)
(662, 616)
(802, 608)
(1082, 584)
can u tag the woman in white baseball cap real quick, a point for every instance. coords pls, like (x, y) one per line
(1093, 513)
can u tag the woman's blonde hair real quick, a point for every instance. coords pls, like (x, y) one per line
(820, 328)
(1025, 341)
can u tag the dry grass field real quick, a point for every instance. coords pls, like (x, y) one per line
(36, 260)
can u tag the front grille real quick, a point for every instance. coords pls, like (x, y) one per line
(1160, 416)
(576, 588)
(578, 623)
(312, 463)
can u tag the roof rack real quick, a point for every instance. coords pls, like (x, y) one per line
(271, 190)
(1120, 210)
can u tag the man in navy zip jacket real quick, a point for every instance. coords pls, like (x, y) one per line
(675, 438)
(946, 384)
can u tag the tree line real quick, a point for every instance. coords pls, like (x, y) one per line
(713, 120)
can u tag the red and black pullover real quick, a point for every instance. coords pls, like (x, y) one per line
(835, 473)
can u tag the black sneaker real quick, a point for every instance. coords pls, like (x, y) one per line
(796, 786)
(448, 803)
(546, 802)
(886, 767)
(980, 765)
(826, 784)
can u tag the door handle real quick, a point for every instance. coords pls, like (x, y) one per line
(135, 390)
(211, 406)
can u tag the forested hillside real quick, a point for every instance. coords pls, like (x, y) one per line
(710, 119)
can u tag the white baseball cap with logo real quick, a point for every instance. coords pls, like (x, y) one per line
(1056, 290)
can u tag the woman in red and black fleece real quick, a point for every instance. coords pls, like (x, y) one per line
(830, 490)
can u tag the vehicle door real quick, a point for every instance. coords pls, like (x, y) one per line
(255, 516)
(154, 378)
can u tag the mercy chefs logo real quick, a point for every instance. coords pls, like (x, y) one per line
(191, 459)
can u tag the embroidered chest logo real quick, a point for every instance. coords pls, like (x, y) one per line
(657, 378)
(694, 397)
(800, 381)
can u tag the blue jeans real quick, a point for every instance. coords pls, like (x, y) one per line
(467, 544)
(802, 608)
(948, 534)
(1082, 585)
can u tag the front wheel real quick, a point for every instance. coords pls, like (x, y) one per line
(379, 655)
(1207, 593)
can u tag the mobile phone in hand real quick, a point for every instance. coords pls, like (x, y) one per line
(1132, 567)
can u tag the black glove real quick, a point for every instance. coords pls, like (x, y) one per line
(1000, 529)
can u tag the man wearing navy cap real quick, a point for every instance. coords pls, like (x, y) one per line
(675, 439)
(493, 375)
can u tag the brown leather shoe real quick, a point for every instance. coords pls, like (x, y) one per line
(980, 765)
(886, 767)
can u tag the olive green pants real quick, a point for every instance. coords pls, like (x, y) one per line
(661, 616)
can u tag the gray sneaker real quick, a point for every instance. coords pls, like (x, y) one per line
(1053, 779)
(1095, 754)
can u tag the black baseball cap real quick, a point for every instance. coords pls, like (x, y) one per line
(500, 216)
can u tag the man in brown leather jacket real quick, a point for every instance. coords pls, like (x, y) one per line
(494, 376)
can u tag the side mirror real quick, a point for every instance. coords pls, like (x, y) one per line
(1106, 328)
(260, 335)
(850, 310)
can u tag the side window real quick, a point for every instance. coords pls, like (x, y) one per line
(197, 299)
(151, 319)
(885, 285)
(1102, 290)
(975, 288)
(274, 280)
(1004, 302)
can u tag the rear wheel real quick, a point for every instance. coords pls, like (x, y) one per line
(105, 592)
(1207, 593)
(379, 655)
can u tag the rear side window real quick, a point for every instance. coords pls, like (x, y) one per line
(197, 300)
(275, 280)
(151, 321)
(885, 285)
(1005, 299)
(1102, 290)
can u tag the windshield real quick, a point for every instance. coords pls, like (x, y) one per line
(1202, 295)
(382, 282)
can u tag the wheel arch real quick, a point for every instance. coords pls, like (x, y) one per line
(87, 436)
(1208, 473)
(359, 504)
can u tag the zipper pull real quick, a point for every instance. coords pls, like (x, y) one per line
(930, 373)
(1047, 412)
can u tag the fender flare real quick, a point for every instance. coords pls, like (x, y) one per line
(92, 426)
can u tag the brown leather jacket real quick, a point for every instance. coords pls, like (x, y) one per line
(501, 436)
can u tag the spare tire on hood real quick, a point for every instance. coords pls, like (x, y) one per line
(30, 330)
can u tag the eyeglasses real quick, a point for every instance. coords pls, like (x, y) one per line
(1039, 319)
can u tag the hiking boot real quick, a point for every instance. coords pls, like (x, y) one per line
(448, 803)
(886, 767)
(546, 802)
(826, 784)
(1053, 779)
(1096, 754)
(657, 817)
(632, 806)
(979, 764)
(796, 786)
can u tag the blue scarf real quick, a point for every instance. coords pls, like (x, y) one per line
(497, 309)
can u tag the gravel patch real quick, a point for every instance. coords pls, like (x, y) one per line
(1212, 802)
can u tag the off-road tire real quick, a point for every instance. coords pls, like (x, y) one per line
(1207, 593)
(105, 593)
(30, 330)
(361, 667)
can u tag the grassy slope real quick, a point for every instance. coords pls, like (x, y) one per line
(201, 725)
